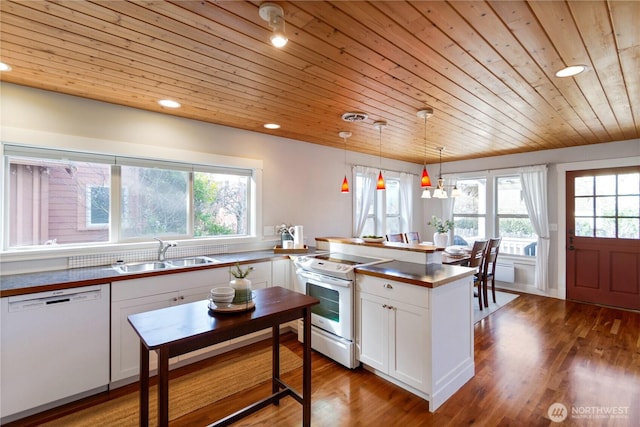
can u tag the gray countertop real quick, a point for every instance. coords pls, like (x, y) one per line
(19, 284)
(427, 275)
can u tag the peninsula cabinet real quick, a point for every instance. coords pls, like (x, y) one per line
(393, 320)
(151, 293)
(417, 337)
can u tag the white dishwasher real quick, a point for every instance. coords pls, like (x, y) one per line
(54, 348)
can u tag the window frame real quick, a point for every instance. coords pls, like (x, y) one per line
(379, 215)
(203, 162)
(491, 219)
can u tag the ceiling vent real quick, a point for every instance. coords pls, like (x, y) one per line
(354, 117)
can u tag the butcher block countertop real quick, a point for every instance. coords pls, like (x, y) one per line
(427, 275)
(414, 247)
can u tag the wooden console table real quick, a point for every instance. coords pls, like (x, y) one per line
(176, 330)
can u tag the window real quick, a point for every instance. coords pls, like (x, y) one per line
(221, 204)
(155, 202)
(469, 211)
(60, 197)
(97, 206)
(513, 224)
(608, 206)
(493, 205)
(56, 201)
(386, 211)
(392, 206)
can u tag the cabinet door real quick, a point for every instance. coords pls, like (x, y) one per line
(198, 294)
(125, 343)
(408, 344)
(281, 273)
(373, 331)
(260, 278)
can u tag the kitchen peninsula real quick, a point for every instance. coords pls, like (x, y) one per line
(414, 322)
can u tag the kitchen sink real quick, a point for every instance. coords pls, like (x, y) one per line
(192, 262)
(137, 267)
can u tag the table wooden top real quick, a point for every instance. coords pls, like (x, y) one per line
(177, 324)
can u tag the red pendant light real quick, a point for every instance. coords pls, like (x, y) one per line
(425, 180)
(345, 183)
(380, 184)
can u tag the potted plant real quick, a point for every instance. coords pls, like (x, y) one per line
(441, 236)
(284, 231)
(241, 284)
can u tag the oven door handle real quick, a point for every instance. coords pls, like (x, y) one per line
(321, 278)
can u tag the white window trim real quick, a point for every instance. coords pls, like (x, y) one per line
(55, 141)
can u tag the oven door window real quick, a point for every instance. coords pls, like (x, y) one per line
(329, 306)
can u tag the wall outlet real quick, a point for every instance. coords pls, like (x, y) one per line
(553, 227)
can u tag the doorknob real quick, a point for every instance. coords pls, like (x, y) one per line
(571, 234)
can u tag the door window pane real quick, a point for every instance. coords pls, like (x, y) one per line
(584, 186)
(629, 183)
(629, 228)
(608, 208)
(606, 227)
(584, 227)
(584, 206)
(154, 202)
(605, 185)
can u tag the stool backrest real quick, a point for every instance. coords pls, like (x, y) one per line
(412, 237)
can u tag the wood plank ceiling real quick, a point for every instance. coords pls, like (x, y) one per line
(485, 67)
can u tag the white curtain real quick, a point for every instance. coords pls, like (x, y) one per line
(406, 202)
(447, 208)
(534, 189)
(369, 178)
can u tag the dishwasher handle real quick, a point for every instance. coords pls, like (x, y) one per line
(42, 300)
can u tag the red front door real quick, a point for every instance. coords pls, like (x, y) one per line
(603, 236)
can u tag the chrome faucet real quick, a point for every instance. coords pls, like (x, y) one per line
(162, 250)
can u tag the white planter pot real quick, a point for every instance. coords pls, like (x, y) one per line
(243, 290)
(441, 240)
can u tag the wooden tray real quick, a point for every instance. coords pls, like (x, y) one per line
(232, 308)
(280, 250)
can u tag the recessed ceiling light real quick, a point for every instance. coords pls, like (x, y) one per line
(169, 103)
(571, 71)
(272, 126)
(5, 67)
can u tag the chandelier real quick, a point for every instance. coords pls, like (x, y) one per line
(439, 192)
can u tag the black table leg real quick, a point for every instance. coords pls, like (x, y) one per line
(163, 387)
(306, 370)
(275, 360)
(144, 385)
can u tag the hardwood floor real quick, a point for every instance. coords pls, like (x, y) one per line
(529, 355)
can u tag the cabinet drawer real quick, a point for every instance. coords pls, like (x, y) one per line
(402, 292)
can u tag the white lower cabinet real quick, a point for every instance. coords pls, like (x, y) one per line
(392, 332)
(417, 337)
(151, 293)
